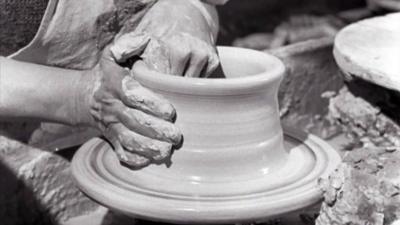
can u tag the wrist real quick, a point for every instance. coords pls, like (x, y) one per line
(83, 100)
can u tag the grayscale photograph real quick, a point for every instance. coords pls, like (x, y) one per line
(203, 112)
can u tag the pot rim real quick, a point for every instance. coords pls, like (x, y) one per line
(272, 66)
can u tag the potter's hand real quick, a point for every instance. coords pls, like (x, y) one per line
(136, 121)
(174, 37)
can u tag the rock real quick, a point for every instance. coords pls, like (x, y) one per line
(365, 189)
(367, 113)
(37, 187)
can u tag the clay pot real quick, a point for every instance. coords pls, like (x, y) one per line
(231, 125)
(236, 164)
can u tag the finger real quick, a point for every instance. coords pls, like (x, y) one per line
(179, 57)
(213, 62)
(129, 45)
(101, 112)
(145, 124)
(135, 161)
(144, 146)
(131, 159)
(149, 126)
(156, 57)
(116, 145)
(136, 96)
(197, 63)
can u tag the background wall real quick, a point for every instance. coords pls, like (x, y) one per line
(239, 18)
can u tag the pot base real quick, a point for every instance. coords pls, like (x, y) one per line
(99, 175)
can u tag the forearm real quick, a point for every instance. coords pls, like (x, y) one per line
(39, 92)
(191, 16)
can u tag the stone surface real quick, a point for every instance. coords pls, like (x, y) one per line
(364, 189)
(367, 114)
(36, 186)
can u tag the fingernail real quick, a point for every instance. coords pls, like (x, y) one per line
(176, 136)
(169, 111)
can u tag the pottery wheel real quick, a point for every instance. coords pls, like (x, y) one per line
(99, 174)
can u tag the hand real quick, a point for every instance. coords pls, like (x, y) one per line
(174, 37)
(136, 121)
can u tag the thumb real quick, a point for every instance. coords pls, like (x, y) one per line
(128, 45)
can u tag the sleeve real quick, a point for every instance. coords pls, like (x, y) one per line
(215, 2)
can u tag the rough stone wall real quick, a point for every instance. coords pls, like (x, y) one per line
(365, 189)
(36, 186)
(367, 113)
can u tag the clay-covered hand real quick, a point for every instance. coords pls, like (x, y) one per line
(136, 121)
(174, 37)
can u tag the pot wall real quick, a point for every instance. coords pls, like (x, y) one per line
(226, 122)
